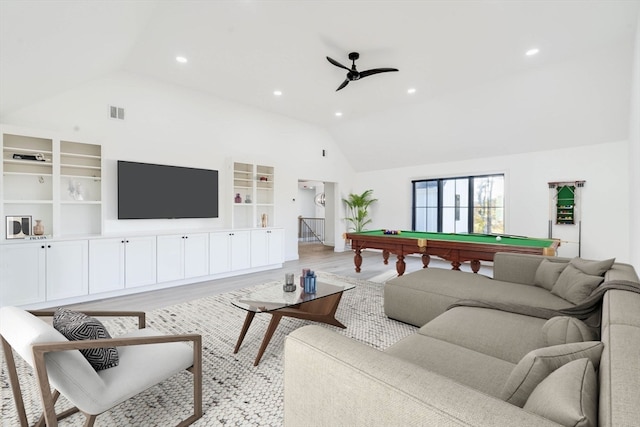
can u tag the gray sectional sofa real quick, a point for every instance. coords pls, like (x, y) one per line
(477, 366)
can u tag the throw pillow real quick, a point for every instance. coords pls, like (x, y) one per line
(536, 365)
(547, 273)
(568, 396)
(565, 329)
(574, 285)
(594, 268)
(77, 326)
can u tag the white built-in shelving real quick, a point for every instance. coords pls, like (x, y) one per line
(253, 195)
(51, 179)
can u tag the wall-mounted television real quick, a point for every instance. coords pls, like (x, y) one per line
(152, 191)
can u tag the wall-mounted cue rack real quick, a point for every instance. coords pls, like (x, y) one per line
(565, 201)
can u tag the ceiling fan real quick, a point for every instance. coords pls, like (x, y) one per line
(353, 74)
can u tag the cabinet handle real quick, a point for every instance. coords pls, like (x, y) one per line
(48, 246)
(42, 246)
(122, 241)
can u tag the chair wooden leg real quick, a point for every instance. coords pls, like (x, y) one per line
(90, 420)
(196, 370)
(15, 384)
(45, 389)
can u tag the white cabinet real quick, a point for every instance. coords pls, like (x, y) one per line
(183, 256)
(43, 271)
(229, 251)
(22, 274)
(67, 269)
(267, 247)
(120, 263)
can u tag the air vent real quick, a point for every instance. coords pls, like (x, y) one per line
(116, 112)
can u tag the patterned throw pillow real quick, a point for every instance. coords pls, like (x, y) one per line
(77, 326)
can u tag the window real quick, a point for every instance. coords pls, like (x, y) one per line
(472, 204)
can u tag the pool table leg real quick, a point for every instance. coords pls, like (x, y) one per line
(385, 256)
(426, 259)
(400, 265)
(475, 265)
(357, 260)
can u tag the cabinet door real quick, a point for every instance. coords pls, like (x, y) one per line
(140, 261)
(240, 250)
(259, 248)
(106, 265)
(170, 258)
(196, 255)
(67, 269)
(22, 274)
(275, 246)
(219, 252)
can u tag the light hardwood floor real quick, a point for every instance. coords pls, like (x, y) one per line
(314, 256)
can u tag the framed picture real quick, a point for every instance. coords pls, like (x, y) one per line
(18, 227)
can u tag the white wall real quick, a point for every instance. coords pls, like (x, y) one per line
(605, 227)
(176, 126)
(634, 156)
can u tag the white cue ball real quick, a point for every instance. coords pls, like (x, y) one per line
(498, 238)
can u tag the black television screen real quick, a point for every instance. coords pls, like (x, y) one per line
(150, 191)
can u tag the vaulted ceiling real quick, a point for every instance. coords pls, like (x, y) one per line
(476, 92)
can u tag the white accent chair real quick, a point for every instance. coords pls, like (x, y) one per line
(147, 357)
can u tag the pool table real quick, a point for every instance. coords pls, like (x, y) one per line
(456, 248)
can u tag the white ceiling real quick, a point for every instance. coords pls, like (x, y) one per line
(244, 50)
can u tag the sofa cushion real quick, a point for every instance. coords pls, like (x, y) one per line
(593, 268)
(422, 295)
(547, 273)
(575, 285)
(565, 329)
(469, 367)
(538, 364)
(568, 396)
(78, 326)
(486, 330)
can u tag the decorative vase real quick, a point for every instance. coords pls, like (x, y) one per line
(238, 198)
(38, 229)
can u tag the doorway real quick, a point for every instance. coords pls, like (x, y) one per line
(315, 217)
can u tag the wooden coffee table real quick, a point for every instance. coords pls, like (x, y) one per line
(318, 307)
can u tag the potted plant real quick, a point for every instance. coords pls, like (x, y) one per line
(358, 209)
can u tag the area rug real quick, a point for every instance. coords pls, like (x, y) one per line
(235, 393)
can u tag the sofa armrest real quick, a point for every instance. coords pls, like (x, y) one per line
(519, 268)
(333, 380)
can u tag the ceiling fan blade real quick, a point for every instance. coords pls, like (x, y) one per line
(376, 71)
(344, 83)
(337, 64)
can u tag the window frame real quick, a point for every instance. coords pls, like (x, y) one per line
(469, 202)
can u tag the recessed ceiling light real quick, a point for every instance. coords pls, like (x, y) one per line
(411, 90)
(532, 52)
(181, 59)
(277, 92)
(338, 113)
